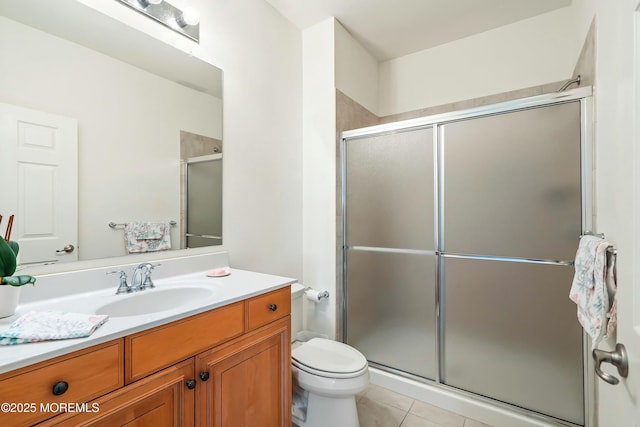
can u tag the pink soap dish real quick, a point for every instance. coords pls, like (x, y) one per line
(219, 272)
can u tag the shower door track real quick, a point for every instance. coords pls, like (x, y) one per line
(581, 94)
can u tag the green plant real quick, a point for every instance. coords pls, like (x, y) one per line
(8, 256)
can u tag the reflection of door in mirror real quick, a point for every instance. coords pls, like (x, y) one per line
(39, 173)
(201, 190)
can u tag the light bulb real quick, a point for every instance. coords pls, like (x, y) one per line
(188, 17)
(145, 3)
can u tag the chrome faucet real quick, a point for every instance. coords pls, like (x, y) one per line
(137, 283)
(141, 278)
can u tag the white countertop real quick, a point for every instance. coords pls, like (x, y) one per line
(237, 286)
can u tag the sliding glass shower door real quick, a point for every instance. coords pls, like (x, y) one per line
(459, 237)
(391, 249)
(204, 201)
(511, 223)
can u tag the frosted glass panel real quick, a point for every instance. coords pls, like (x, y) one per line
(204, 203)
(391, 309)
(390, 190)
(511, 334)
(512, 184)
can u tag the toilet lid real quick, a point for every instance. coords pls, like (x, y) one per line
(329, 356)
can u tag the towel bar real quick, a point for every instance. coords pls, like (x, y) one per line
(612, 255)
(114, 225)
(589, 233)
(611, 250)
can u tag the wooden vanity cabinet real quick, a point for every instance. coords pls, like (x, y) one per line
(228, 367)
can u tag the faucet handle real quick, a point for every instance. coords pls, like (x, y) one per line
(148, 283)
(123, 288)
(150, 266)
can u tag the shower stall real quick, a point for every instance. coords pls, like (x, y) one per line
(459, 234)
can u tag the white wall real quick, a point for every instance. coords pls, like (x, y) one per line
(260, 54)
(129, 124)
(356, 69)
(319, 169)
(531, 52)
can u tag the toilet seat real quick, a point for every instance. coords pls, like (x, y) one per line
(330, 359)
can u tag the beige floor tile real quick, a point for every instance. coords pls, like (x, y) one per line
(473, 423)
(437, 415)
(415, 421)
(377, 414)
(391, 398)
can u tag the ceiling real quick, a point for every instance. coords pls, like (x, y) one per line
(393, 28)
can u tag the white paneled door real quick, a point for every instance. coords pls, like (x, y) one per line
(39, 181)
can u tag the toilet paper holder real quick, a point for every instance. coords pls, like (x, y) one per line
(314, 295)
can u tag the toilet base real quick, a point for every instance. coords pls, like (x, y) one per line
(326, 411)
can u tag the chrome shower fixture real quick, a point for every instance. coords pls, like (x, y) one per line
(570, 82)
(185, 22)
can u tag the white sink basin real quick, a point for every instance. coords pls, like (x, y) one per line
(154, 300)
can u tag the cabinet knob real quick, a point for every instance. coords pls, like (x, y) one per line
(60, 388)
(204, 375)
(273, 307)
(191, 384)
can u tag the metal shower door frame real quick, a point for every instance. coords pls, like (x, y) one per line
(583, 95)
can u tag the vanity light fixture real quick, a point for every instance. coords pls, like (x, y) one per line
(184, 22)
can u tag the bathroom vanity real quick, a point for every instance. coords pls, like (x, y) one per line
(222, 362)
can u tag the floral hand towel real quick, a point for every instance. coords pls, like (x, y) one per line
(142, 236)
(36, 326)
(588, 289)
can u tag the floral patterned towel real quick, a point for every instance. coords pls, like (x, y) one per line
(142, 236)
(589, 290)
(36, 326)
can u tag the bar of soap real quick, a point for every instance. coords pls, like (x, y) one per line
(219, 272)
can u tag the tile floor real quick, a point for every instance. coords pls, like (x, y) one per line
(379, 407)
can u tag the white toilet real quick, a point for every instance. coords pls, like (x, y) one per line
(327, 375)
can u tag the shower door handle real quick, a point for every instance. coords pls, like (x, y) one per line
(617, 358)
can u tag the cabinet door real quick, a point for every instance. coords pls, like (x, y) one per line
(163, 399)
(248, 382)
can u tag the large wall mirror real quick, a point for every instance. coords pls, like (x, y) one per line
(145, 114)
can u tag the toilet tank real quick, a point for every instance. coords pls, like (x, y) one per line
(297, 293)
